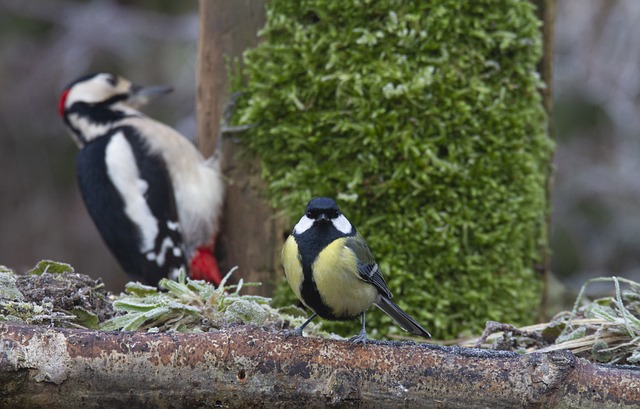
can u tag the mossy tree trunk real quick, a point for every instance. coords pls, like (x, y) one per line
(426, 123)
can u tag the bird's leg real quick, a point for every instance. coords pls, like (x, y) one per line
(298, 331)
(362, 336)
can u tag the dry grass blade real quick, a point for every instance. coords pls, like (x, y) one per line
(603, 330)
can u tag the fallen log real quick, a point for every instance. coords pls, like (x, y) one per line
(246, 366)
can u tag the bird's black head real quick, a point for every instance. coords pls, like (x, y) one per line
(323, 213)
(322, 209)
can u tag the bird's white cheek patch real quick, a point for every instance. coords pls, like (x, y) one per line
(342, 224)
(303, 225)
(124, 174)
(90, 130)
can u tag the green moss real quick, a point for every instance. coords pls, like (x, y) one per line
(51, 267)
(8, 287)
(424, 120)
(245, 311)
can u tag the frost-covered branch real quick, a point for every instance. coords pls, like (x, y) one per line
(245, 366)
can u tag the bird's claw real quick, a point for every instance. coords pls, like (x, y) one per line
(360, 338)
(297, 332)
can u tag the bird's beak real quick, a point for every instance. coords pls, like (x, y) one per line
(140, 95)
(323, 218)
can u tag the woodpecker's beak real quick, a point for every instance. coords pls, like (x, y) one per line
(142, 95)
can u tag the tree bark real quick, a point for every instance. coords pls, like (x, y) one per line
(250, 235)
(547, 14)
(546, 10)
(246, 366)
(227, 28)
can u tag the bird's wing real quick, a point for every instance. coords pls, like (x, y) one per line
(151, 250)
(168, 253)
(292, 265)
(367, 267)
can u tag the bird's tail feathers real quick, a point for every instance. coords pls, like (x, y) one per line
(404, 320)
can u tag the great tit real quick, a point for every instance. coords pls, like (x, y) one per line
(330, 268)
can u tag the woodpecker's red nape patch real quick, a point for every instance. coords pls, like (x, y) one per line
(62, 102)
(204, 266)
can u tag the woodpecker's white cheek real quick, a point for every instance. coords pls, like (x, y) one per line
(90, 130)
(342, 224)
(124, 174)
(303, 225)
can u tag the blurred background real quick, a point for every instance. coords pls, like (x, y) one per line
(596, 195)
(44, 45)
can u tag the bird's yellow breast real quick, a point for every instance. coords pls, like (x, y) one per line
(292, 265)
(335, 272)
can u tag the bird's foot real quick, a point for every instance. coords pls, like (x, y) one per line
(360, 338)
(296, 332)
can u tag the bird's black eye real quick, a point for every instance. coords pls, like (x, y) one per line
(112, 79)
(309, 215)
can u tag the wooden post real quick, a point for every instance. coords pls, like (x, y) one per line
(250, 235)
(547, 14)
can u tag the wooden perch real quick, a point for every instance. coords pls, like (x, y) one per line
(246, 366)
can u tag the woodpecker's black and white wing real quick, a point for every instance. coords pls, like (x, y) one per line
(129, 195)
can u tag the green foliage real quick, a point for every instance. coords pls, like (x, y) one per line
(59, 297)
(423, 119)
(194, 306)
(51, 267)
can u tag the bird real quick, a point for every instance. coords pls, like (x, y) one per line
(154, 198)
(330, 268)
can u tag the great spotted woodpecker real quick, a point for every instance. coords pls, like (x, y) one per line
(154, 198)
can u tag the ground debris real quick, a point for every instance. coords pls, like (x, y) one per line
(605, 330)
(53, 294)
(67, 292)
(50, 296)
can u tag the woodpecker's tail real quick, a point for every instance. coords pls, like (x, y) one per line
(404, 320)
